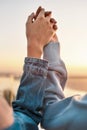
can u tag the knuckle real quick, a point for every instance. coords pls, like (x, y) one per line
(51, 32)
(41, 18)
(47, 22)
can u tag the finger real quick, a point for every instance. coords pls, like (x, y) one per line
(55, 37)
(41, 14)
(47, 13)
(30, 18)
(49, 16)
(53, 33)
(55, 27)
(38, 11)
(52, 20)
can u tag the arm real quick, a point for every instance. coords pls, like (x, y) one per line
(56, 64)
(57, 73)
(29, 102)
(30, 93)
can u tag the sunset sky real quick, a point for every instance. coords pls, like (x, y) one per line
(72, 33)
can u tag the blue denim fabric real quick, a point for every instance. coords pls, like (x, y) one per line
(22, 122)
(56, 76)
(29, 101)
(67, 114)
(40, 96)
(61, 113)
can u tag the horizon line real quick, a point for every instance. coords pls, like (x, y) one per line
(14, 74)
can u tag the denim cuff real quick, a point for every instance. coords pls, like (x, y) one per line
(52, 52)
(36, 66)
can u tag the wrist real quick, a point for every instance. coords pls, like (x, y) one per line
(34, 50)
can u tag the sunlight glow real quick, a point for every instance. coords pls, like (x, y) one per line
(72, 32)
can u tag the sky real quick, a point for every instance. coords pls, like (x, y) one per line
(71, 16)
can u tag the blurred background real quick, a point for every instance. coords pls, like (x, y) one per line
(72, 33)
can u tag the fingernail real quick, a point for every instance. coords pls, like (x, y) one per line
(52, 20)
(55, 27)
(40, 7)
(32, 13)
(47, 13)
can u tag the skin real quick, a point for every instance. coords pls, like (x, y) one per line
(6, 114)
(46, 13)
(36, 25)
(52, 20)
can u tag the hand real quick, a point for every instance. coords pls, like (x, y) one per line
(39, 32)
(6, 114)
(46, 14)
(52, 20)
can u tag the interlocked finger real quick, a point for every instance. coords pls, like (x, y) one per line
(30, 18)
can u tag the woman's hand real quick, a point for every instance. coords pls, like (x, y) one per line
(39, 33)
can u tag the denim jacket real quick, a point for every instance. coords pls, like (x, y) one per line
(34, 91)
(40, 97)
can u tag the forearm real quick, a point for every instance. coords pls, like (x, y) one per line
(55, 63)
(57, 74)
(31, 90)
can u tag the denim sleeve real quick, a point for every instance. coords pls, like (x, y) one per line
(57, 74)
(61, 113)
(30, 95)
(56, 64)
